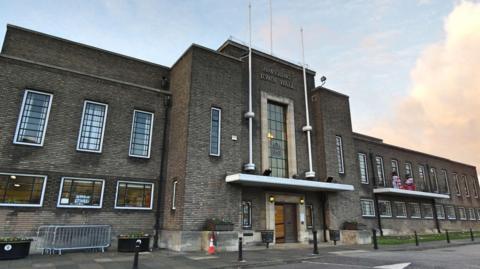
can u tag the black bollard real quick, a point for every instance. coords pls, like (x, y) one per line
(471, 234)
(374, 238)
(137, 249)
(240, 249)
(448, 237)
(315, 243)
(416, 238)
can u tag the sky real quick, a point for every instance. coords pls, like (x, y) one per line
(410, 67)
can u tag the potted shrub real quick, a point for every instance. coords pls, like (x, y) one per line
(14, 247)
(218, 225)
(126, 242)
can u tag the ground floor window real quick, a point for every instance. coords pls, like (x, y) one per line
(134, 195)
(440, 212)
(428, 211)
(22, 190)
(462, 215)
(450, 212)
(400, 209)
(385, 208)
(80, 192)
(247, 214)
(478, 213)
(309, 216)
(414, 210)
(368, 210)
(471, 214)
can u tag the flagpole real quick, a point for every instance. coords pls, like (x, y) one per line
(307, 128)
(250, 166)
(271, 28)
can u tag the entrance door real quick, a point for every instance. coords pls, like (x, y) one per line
(285, 223)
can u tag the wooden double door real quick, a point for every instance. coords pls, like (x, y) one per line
(285, 223)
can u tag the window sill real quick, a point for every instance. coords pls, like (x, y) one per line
(20, 205)
(78, 206)
(28, 144)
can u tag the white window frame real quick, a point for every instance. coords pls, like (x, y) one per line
(174, 194)
(414, 206)
(341, 164)
(364, 156)
(409, 165)
(443, 211)
(465, 186)
(131, 135)
(447, 212)
(313, 218)
(21, 116)
(423, 176)
(81, 127)
(429, 206)
(397, 165)
(445, 175)
(41, 197)
(382, 169)
(433, 173)
(475, 190)
(249, 214)
(80, 206)
(457, 185)
(470, 210)
(388, 205)
(462, 209)
(219, 130)
(478, 213)
(130, 207)
(372, 204)
(404, 207)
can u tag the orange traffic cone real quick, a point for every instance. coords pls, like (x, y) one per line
(211, 247)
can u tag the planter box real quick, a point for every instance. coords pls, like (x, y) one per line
(128, 244)
(14, 250)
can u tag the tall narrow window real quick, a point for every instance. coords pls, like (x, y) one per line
(474, 184)
(309, 216)
(134, 195)
(457, 185)
(408, 170)
(395, 167)
(92, 127)
(368, 210)
(433, 173)
(22, 190)
(81, 192)
(471, 214)
(462, 215)
(339, 146)
(215, 129)
(277, 135)
(380, 171)
(440, 211)
(141, 137)
(445, 187)
(362, 162)
(465, 185)
(423, 179)
(246, 214)
(400, 209)
(33, 119)
(174, 195)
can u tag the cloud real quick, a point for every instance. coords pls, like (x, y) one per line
(441, 114)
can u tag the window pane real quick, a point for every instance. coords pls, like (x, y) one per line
(81, 192)
(141, 132)
(91, 131)
(339, 147)
(134, 195)
(246, 214)
(277, 135)
(380, 171)
(434, 182)
(309, 216)
(15, 189)
(215, 131)
(33, 118)
(367, 208)
(362, 161)
(385, 208)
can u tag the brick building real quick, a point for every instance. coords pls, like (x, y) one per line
(89, 136)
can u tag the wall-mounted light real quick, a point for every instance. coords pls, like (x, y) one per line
(13, 177)
(267, 172)
(269, 135)
(16, 185)
(271, 199)
(302, 201)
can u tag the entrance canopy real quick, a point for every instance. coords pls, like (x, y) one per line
(288, 183)
(409, 193)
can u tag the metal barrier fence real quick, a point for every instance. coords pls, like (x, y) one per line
(54, 238)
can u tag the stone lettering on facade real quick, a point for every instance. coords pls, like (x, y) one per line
(277, 77)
